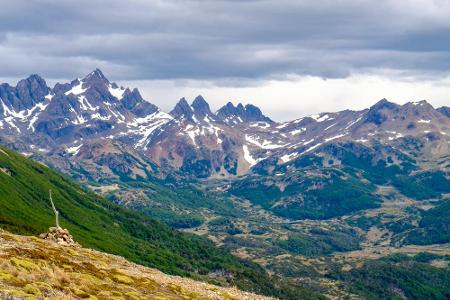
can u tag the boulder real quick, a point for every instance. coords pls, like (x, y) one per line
(60, 236)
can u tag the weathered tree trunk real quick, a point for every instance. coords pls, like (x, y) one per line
(54, 209)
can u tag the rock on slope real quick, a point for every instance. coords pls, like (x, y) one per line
(32, 268)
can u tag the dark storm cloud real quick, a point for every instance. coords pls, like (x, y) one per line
(219, 40)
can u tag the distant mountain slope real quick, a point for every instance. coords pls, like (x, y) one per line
(342, 178)
(445, 110)
(97, 223)
(34, 268)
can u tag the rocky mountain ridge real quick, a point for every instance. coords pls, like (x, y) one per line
(64, 122)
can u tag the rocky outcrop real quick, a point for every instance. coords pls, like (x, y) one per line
(60, 236)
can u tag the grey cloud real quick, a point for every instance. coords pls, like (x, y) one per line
(222, 40)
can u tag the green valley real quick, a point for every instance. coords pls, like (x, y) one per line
(102, 225)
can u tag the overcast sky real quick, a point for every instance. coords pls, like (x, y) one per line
(289, 57)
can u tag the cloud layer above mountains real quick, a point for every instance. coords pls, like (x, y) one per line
(141, 39)
(225, 43)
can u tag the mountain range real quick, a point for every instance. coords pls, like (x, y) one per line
(92, 116)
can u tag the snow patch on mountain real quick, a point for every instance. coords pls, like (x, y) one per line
(85, 104)
(98, 116)
(192, 132)
(308, 142)
(335, 137)
(283, 125)
(311, 148)
(76, 90)
(41, 107)
(145, 126)
(116, 92)
(330, 126)
(74, 150)
(353, 122)
(288, 157)
(266, 144)
(297, 131)
(320, 118)
(263, 125)
(248, 157)
(361, 140)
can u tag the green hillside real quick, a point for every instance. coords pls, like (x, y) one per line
(433, 228)
(397, 277)
(99, 224)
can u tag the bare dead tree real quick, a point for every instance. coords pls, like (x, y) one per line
(54, 209)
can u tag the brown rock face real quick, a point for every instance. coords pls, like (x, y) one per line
(60, 236)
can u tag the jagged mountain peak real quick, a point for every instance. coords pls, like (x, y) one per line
(95, 76)
(230, 109)
(98, 81)
(384, 104)
(198, 109)
(95, 79)
(25, 95)
(133, 101)
(183, 101)
(96, 84)
(230, 105)
(201, 107)
(33, 79)
(90, 107)
(200, 104)
(254, 113)
(422, 105)
(34, 86)
(182, 108)
(237, 114)
(378, 113)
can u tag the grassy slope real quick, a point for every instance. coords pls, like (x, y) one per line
(97, 223)
(32, 268)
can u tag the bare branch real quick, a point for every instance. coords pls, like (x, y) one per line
(54, 209)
